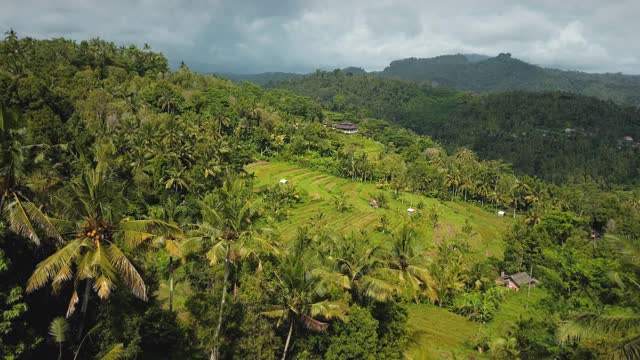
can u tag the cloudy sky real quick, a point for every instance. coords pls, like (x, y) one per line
(300, 36)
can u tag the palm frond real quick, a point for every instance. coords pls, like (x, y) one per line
(115, 353)
(379, 289)
(19, 220)
(58, 329)
(136, 232)
(84, 269)
(328, 278)
(129, 274)
(42, 221)
(102, 266)
(51, 266)
(313, 324)
(330, 310)
(629, 348)
(64, 274)
(205, 229)
(280, 313)
(72, 303)
(217, 252)
(103, 286)
(190, 245)
(587, 325)
(210, 214)
(173, 248)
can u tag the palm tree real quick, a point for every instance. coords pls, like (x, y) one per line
(504, 348)
(299, 299)
(620, 332)
(174, 245)
(24, 217)
(519, 190)
(95, 230)
(406, 264)
(229, 224)
(353, 262)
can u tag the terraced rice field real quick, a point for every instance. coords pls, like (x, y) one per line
(317, 209)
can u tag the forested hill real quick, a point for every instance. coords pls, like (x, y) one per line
(556, 136)
(503, 72)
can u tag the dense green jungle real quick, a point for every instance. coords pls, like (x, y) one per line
(156, 214)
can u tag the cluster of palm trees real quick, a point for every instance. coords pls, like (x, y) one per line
(462, 175)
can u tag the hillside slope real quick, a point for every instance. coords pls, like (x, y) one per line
(555, 136)
(504, 72)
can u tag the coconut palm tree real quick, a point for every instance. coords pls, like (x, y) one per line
(518, 191)
(228, 224)
(406, 264)
(95, 232)
(300, 300)
(352, 263)
(24, 217)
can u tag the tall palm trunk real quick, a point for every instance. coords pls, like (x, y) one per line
(286, 344)
(171, 283)
(216, 336)
(85, 303)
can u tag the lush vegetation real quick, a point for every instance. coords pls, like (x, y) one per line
(503, 73)
(143, 217)
(558, 137)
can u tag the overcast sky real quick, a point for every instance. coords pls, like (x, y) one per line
(300, 36)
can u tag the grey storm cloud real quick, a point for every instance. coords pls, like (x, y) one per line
(300, 36)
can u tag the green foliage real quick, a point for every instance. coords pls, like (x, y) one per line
(115, 165)
(503, 72)
(525, 129)
(356, 339)
(58, 330)
(479, 306)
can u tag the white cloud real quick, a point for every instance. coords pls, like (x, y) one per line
(270, 35)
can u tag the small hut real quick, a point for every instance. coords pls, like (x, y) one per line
(516, 281)
(411, 211)
(284, 182)
(347, 128)
(501, 213)
(374, 203)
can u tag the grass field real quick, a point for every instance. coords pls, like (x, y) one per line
(435, 333)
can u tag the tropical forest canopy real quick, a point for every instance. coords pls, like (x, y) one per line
(559, 137)
(151, 214)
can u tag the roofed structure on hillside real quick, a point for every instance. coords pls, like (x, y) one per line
(516, 281)
(347, 128)
(628, 138)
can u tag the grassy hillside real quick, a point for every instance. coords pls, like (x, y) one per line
(434, 332)
(317, 208)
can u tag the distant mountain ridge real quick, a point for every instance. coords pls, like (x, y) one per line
(503, 73)
(482, 73)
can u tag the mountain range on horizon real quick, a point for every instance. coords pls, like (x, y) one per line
(482, 73)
